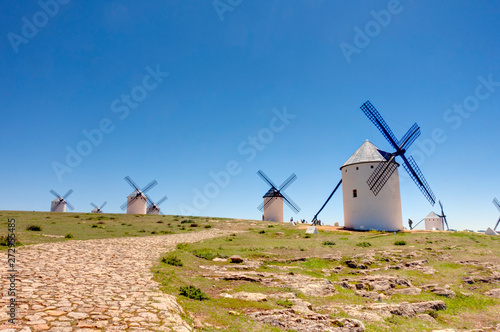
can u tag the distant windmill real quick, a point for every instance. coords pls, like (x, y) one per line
(385, 169)
(137, 200)
(273, 199)
(98, 209)
(154, 208)
(497, 204)
(443, 217)
(59, 203)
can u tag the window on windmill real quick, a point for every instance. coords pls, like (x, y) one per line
(371, 166)
(357, 168)
(355, 193)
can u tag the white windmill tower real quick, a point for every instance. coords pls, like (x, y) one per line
(154, 208)
(98, 209)
(137, 200)
(274, 197)
(381, 209)
(59, 203)
(362, 209)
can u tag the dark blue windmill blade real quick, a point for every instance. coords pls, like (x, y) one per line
(443, 216)
(95, 206)
(71, 207)
(288, 182)
(163, 199)
(267, 203)
(496, 203)
(67, 194)
(53, 192)
(103, 204)
(124, 206)
(291, 204)
(416, 175)
(410, 137)
(266, 179)
(261, 206)
(379, 122)
(132, 183)
(149, 200)
(381, 174)
(149, 186)
(498, 222)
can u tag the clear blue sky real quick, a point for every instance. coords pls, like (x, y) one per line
(229, 66)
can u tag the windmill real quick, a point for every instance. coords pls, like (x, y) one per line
(154, 208)
(443, 217)
(386, 168)
(497, 204)
(96, 208)
(273, 199)
(59, 203)
(137, 200)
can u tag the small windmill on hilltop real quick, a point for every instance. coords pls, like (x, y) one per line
(154, 208)
(60, 202)
(385, 169)
(98, 209)
(273, 199)
(497, 204)
(137, 200)
(443, 217)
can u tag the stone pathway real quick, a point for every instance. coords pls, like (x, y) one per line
(94, 285)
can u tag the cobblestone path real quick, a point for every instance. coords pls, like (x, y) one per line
(94, 285)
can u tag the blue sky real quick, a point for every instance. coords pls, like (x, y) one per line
(202, 78)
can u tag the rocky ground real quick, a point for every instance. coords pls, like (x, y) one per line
(103, 284)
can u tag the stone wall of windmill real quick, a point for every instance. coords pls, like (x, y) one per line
(433, 222)
(362, 209)
(57, 206)
(273, 207)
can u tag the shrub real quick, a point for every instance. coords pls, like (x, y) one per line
(307, 236)
(172, 260)
(193, 293)
(159, 222)
(187, 221)
(182, 246)
(400, 243)
(69, 236)
(328, 243)
(364, 244)
(285, 303)
(94, 226)
(34, 228)
(262, 232)
(4, 241)
(208, 226)
(207, 254)
(270, 226)
(194, 225)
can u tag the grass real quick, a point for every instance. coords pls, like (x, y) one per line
(306, 256)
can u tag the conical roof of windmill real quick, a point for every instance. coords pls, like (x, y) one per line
(273, 193)
(366, 153)
(432, 215)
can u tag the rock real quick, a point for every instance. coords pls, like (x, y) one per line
(404, 291)
(405, 308)
(426, 317)
(371, 295)
(257, 297)
(443, 292)
(493, 293)
(235, 259)
(234, 313)
(280, 233)
(218, 259)
(311, 230)
(226, 296)
(288, 319)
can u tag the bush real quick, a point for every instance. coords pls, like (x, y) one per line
(4, 241)
(193, 293)
(194, 225)
(307, 236)
(34, 228)
(172, 260)
(208, 226)
(328, 243)
(262, 232)
(364, 244)
(69, 236)
(285, 303)
(400, 243)
(270, 226)
(207, 254)
(187, 221)
(95, 226)
(182, 246)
